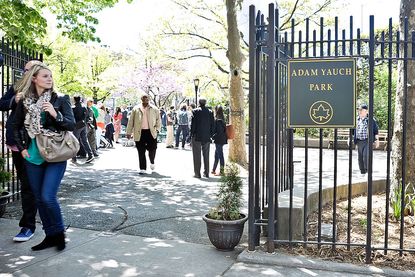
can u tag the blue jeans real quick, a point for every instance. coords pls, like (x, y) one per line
(45, 180)
(185, 130)
(219, 157)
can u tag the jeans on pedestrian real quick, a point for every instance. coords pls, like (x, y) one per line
(180, 129)
(45, 180)
(81, 135)
(28, 219)
(147, 142)
(219, 157)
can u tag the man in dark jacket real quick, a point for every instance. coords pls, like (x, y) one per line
(361, 137)
(80, 113)
(28, 220)
(202, 129)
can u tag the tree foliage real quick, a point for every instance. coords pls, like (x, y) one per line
(24, 21)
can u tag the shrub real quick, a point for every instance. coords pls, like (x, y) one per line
(229, 195)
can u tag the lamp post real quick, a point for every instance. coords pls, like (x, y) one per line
(196, 82)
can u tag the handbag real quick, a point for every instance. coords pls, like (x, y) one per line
(230, 131)
(57, 147)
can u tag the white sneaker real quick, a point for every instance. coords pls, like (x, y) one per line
(142, 171)
(152, 166)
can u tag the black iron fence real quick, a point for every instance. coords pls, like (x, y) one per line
(284, 198)
(13, 57)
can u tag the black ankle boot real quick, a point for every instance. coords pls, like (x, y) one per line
(47, 242)
(60, 241)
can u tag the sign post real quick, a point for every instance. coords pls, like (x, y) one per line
(322, 93)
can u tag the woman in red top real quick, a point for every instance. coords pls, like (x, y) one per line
(117, 123)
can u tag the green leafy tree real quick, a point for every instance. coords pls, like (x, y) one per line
(23, 21)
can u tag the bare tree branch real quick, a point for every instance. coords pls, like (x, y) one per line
(285, 25)
(195, 35)
(187, 6)
(291, 14)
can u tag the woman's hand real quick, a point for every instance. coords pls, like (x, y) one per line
(48, 107)
(18, 97)
(25, 154)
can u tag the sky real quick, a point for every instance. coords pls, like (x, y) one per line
(120, 27)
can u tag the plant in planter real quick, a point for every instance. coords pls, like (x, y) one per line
(4, 194)
(225, 222)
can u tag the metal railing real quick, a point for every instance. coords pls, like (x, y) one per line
(271, 152)
(13, 58)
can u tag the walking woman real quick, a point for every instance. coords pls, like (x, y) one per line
(117, 123)
(41, 110)
(219, 138)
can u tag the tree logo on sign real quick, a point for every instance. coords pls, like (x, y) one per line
(321, 112)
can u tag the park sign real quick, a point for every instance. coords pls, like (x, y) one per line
(322, 93)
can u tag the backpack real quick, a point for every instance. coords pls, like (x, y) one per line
(183, 118)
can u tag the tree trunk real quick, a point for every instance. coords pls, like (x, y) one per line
(407, 9)
(237, 147)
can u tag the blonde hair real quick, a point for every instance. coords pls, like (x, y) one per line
(26, 86)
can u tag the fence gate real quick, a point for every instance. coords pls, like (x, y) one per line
(282, 196)
(13, 58)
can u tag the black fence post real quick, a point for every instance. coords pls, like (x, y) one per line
(270, 121)
(252, 84)
(370, 139)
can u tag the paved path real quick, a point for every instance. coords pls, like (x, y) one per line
(124, 224)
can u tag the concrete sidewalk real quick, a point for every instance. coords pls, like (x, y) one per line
(94, 253)
(124, 224)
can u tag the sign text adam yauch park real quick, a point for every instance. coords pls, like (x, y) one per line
(322, 93)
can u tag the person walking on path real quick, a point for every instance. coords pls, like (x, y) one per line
(117, 123)
(183, 122)
(191, 107)
(163, 117)
(202, 130)
(220, 139)
(91, 126)
(124, 119)
(40, 111)
(171, 120)
(144, 124)
(28, 220)
(80, 113)
(100, 124)
(361, 137)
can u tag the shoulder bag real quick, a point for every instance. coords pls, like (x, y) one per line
(57, 147)
(230, 131)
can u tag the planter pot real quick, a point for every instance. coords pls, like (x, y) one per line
(225, 234)
(4, 197)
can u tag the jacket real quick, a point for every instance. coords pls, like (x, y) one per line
(219, 133)
(7, 103)
(134, 122)
(203, 124)
(65, 120)
(80, 114)
(375, 130)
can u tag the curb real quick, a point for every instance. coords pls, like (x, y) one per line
(277, 259)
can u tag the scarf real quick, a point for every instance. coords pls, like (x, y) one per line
(34, 114)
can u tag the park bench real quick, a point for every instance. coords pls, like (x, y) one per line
(343, 139)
